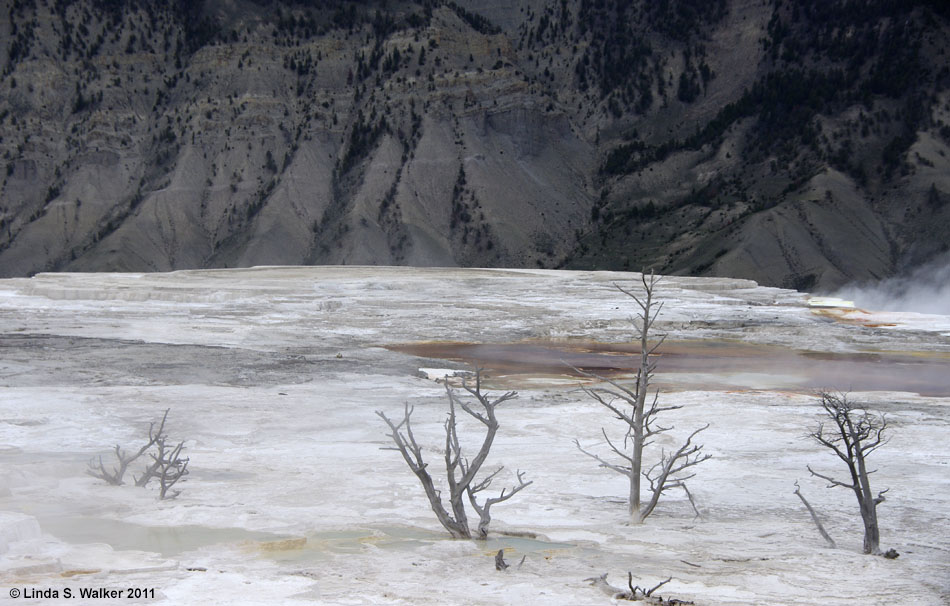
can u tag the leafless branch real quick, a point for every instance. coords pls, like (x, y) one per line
(692, 501)
(616, 450)
(603, 463)
(670, 465)
(484, 511)
(880, 497)
(649, 592)
(831, 481)
(815, 519)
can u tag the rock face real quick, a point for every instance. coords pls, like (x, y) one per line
(797, 144)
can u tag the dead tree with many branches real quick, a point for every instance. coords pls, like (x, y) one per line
(852, 436)
(115, 477)
(168, 466)
(629, 405)
(461, 473)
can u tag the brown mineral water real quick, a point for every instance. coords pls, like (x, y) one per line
(704, 363)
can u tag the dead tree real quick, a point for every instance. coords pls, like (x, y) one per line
(854, 435)
(460, 472)
(629, 405)
(115, 477)
(168, 466)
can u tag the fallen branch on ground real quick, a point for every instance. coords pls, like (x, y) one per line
(814, 517)
(635, 593)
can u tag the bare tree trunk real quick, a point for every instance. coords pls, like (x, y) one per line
(872, 534)
(868, 504)
(500, 563)
(643, 386)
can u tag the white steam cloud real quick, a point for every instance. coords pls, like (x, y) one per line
(925, 289)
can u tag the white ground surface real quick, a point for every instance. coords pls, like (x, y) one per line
(273, 375)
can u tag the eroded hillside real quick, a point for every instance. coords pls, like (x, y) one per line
(799, 144)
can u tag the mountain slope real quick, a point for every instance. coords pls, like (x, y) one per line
(799, 144)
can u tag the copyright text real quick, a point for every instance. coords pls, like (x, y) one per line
(87, 593)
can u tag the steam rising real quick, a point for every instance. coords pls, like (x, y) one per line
(926, 289)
